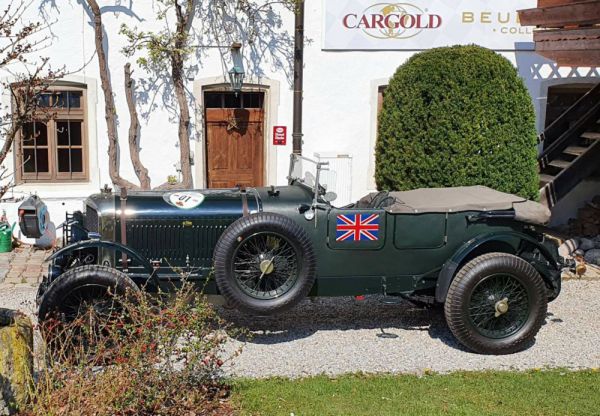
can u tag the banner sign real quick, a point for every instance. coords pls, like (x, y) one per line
(424, 24)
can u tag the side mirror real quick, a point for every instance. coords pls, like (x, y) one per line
(330, 196)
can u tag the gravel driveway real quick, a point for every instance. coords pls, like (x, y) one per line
(335, 336)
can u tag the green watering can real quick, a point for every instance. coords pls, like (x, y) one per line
(6, 232)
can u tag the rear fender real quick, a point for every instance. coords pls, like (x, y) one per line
(549, 269)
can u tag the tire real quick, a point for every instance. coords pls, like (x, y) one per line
(69, 337)
(476, 311)
(264, 264)
(92, 281)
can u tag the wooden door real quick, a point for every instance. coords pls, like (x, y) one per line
(234, 143)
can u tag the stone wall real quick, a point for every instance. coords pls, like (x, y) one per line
(16, 360)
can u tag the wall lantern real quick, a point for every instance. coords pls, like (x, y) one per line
(236, 74)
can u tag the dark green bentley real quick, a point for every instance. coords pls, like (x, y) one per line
(483, 254)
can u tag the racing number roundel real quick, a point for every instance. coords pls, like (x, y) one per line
(185, 200)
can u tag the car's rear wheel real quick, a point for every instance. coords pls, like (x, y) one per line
(264, 264)
(496, 304)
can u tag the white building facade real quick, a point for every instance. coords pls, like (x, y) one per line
(352, 49)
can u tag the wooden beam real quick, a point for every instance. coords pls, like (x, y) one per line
(553, 35)
(569, 45)
(550, 3)
(572, 58)
(567, 39)
(579, 13)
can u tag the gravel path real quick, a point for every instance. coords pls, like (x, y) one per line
(21, 297)
(335, 336)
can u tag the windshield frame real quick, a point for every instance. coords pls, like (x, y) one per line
(316, 187)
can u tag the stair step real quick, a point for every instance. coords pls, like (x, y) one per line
(559, 163)
(591, 135)
(575, 150)
(544, 178)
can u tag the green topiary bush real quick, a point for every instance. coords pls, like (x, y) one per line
(457, 116)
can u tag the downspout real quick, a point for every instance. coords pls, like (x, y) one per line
(298, 77)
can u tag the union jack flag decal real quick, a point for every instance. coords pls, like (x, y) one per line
(357, 227)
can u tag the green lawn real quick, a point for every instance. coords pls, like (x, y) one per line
(489, 393)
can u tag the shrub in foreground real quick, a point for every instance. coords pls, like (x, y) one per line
(457, 116)
(156, 356)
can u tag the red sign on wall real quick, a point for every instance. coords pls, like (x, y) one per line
(279, 135)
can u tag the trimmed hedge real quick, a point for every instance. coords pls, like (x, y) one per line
(457, 116)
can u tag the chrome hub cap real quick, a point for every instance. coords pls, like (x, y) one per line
(501, 307)
(266, 266)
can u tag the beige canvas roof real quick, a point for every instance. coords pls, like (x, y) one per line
(460, 199)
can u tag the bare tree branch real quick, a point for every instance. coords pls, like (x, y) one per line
(18, 40)
(184, 20)
(109, 102)
(134, 149)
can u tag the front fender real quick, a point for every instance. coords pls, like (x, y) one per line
(104, 244)
(514, 239)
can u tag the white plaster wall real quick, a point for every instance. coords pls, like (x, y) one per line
(340, 97)
(72, 46)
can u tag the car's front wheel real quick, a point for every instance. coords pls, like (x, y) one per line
(496, 304)
(84, 304)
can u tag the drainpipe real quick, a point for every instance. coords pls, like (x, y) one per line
(298, 77)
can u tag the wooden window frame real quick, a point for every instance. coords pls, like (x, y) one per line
(53, 175)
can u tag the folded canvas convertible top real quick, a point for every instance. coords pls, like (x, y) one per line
(459, 199)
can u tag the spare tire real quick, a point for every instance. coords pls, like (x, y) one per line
(264, 264)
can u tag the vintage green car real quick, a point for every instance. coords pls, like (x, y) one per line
(483, 254)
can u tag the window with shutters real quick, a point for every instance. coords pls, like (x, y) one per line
(53, 148)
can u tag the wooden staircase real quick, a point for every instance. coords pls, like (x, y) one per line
(571, 148)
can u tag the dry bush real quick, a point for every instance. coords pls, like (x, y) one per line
(150, 356)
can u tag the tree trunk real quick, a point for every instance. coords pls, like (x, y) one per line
(184, 123)
(134, 150)
(184, 20)
(109, 103)
(8, 141)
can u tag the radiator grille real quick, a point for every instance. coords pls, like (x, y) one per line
(176, 240)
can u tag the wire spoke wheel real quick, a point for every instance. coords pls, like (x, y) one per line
(499, 306)
(90, 299)
(84, 308)
(89, 315)
(266, 265)
(496, 304)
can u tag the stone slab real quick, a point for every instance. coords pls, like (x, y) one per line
(14, 273)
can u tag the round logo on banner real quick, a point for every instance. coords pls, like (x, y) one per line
(185, 200)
